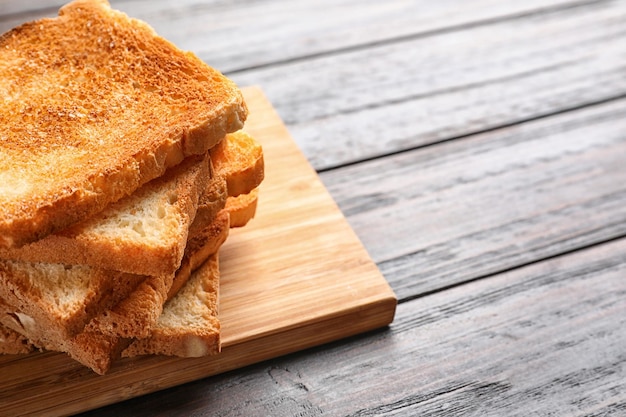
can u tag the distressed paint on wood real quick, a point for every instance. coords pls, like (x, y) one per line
(446, 214)
(394, 97)
(232, 36)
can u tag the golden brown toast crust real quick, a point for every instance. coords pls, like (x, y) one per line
(200, 246)
(39, 292)
(109, 241)
(239, 159)
(242, 208)
(187, 328)
(95, 104)
(85, 243)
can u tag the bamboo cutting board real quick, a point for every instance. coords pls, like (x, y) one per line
(296, 276)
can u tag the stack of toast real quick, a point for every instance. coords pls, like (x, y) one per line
(124, 164)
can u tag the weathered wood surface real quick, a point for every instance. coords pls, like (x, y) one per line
(477, 148)
(237, 35)
(433, 73)
(464, 209)
(372, 102)
(546, 339)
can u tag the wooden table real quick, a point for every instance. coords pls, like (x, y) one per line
(478, 150)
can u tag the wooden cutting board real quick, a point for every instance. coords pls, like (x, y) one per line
(296, 276)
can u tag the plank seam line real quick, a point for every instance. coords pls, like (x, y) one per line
(451, 89)
(412, 400)
(420, 35)
(512, 268)
(491, 129)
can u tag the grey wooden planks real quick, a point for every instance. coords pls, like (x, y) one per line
(433, 71)
(546, 339)
(11, 10)
(370, 102)
(235, 37)
(495, 133)
(446, 214)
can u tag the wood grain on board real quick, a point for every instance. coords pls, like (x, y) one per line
(295, 277)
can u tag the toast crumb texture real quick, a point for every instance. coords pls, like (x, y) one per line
(14, 343)
(242, 208)
(95, 104)
(194, 309)
(61, 299)
(143, 233)
(239, 159)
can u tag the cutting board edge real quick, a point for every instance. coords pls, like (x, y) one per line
(382, 311)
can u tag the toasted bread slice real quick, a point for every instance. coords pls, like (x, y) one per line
(239, 159)
(89, 289)
(60, 298)
(110, 332)
(14, 343)
(102, 340)
(144, 233)
(200, 246)
(189, 326)
(99, 344)
(194, 332)
(136, 315)
(152, 223)
(56, 302)
(100, 105)
(242, 208)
